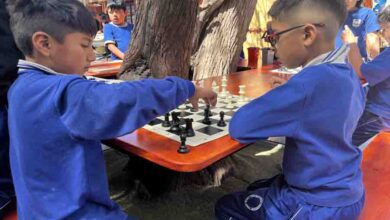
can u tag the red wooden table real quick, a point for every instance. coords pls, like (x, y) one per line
(104, 69)
(163, 151)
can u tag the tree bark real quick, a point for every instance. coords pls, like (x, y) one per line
(162, 40)
(221, 37)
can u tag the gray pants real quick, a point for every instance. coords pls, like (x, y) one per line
(369, 125)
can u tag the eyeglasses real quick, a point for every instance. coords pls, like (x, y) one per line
(273, 37)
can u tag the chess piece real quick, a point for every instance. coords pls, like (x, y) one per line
(221, 122)
(224, 85)
(166, 123)
(206, 120)
(175, 124)
(215, 87)
(189, 130)
(241, 100)
(209, 111)
(229, 104)
(183, 147)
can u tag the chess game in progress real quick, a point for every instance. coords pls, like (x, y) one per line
(207, 124)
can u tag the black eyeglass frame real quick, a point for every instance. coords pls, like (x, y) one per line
(273, 38)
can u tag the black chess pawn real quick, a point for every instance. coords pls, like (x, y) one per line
(209, 111)
(166, 123)
(183, 149)
(221, 122)
(189, 130)
(206, 120)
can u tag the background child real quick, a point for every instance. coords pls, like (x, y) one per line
(57, 118)
(117, 33)
(376, 116)
(317, 110)
(363, 23)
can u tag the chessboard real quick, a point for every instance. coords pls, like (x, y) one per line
(216, 126)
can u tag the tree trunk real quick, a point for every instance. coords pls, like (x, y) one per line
(222, 37)
(162, 39)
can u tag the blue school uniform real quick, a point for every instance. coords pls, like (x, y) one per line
(56, 123)
(361, 22)
(119, 35)
(317, 110)
(377, 112)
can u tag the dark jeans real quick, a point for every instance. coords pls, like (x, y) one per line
(6, 186)
(368, 126)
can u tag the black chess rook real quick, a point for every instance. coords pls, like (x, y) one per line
(189, 130)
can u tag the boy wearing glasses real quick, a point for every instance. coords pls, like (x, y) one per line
(376, 116)
(316, 110)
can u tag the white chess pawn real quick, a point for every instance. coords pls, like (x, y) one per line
(229, 104)
(223, 94)
(241, 99)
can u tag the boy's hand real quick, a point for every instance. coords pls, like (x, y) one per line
(206, 94)
(279, 79)
(348, 37)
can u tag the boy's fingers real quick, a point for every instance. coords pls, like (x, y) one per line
(195, 105)
(212, 100)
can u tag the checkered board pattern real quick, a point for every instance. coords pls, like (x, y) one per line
(203, 133)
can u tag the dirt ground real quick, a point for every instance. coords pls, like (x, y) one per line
(149, 192)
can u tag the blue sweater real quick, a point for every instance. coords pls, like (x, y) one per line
(377, 74)
(317, 110)
(56, 124)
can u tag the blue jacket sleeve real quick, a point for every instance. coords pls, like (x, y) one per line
(96, 110)
(274, 114)
(378, 69)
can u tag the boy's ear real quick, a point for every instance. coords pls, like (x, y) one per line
(310, 34)
(42, 43)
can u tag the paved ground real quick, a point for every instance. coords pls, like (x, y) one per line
(147, 191)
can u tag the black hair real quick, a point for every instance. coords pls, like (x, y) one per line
(282, 8)
(359, 3)
(116, 5)
(384, 15)
(54, 17)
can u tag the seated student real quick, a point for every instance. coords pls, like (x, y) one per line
(363, 22)
(316, 110)
(117, 33)
(376, 116)
(57, 118)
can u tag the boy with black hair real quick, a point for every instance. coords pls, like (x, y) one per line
(316, 110)
(376, 116)
(117, 33)
(57, 118)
